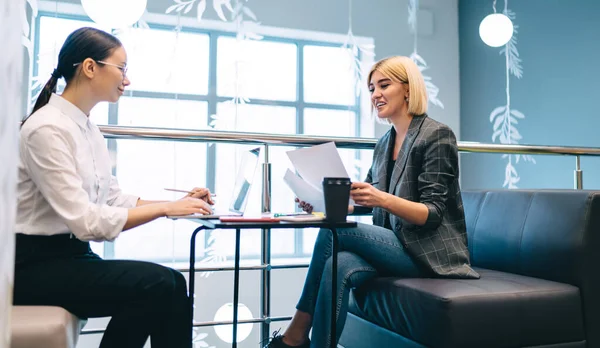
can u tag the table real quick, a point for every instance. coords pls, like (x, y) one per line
(238, 226)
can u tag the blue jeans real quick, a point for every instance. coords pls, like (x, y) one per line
(364, 252)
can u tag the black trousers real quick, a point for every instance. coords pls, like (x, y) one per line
(144, 299)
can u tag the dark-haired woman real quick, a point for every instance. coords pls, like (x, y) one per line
(68, 197)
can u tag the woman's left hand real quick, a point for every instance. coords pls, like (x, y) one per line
(366, 195)
(201, 193)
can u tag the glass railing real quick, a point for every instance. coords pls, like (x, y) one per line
(271, 144)
(121, 132)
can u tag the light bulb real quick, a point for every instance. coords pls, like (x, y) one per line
(114, 13)
(496, 30)
(225, 313)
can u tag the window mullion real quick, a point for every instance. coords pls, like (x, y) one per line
(298, 233)
(211, 164)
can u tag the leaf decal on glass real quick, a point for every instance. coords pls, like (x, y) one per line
(200, 10)
(510, 49)
(184, 7)
(432, 89)
(504, 118)
(140, 24)
(218, 7)
(356, 52)
(198, 339)
(352, 48)
(413, 7)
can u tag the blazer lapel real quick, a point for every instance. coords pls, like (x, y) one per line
(381, 157)
(382, 160)
(409, 140)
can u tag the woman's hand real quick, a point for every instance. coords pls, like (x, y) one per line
(201, 193)
(366, 195)
(187, 206)
(304, 206)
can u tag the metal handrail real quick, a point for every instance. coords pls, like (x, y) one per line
(245, 268)
(123, 132)
(185, 135)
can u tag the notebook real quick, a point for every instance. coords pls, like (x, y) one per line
(241, 189)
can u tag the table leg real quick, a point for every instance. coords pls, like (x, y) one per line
(334, 265)
(236, 286)
(192, 275)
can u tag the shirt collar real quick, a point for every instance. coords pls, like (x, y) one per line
(69, 109)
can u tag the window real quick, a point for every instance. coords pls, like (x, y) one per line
(327, 78)
(267, 69)
(188, 79)
(167, 61)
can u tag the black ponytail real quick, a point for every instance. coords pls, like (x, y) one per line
(81, 44)
(47, 91)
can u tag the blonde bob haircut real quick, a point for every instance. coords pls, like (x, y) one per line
(403, 70)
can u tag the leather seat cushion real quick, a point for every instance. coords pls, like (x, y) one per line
(498, 309)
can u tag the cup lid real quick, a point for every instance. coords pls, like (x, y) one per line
(336, 180)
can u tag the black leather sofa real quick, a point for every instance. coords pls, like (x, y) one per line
(538, 254)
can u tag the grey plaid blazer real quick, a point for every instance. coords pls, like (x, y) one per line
(426, 171)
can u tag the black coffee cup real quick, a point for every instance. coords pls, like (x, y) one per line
(336, 192)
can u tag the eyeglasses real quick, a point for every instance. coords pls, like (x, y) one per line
(123, 68)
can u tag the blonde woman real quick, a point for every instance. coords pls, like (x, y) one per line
(413, 192)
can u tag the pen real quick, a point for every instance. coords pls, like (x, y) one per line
(290, 214)
(186, 191)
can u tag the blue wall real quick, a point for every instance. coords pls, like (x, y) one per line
(559, 44)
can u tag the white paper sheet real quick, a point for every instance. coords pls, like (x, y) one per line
(313, 164)
(316, 162)
(305, 191)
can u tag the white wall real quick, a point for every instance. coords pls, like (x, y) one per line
(10, 69)
(383, 20)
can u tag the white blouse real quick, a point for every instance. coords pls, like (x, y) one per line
(65, 182)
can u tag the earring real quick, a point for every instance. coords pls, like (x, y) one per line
(406, 99)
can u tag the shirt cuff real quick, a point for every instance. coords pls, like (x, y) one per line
(128, 201)
(121, 219)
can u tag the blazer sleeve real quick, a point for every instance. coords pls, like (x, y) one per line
(439, 171)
